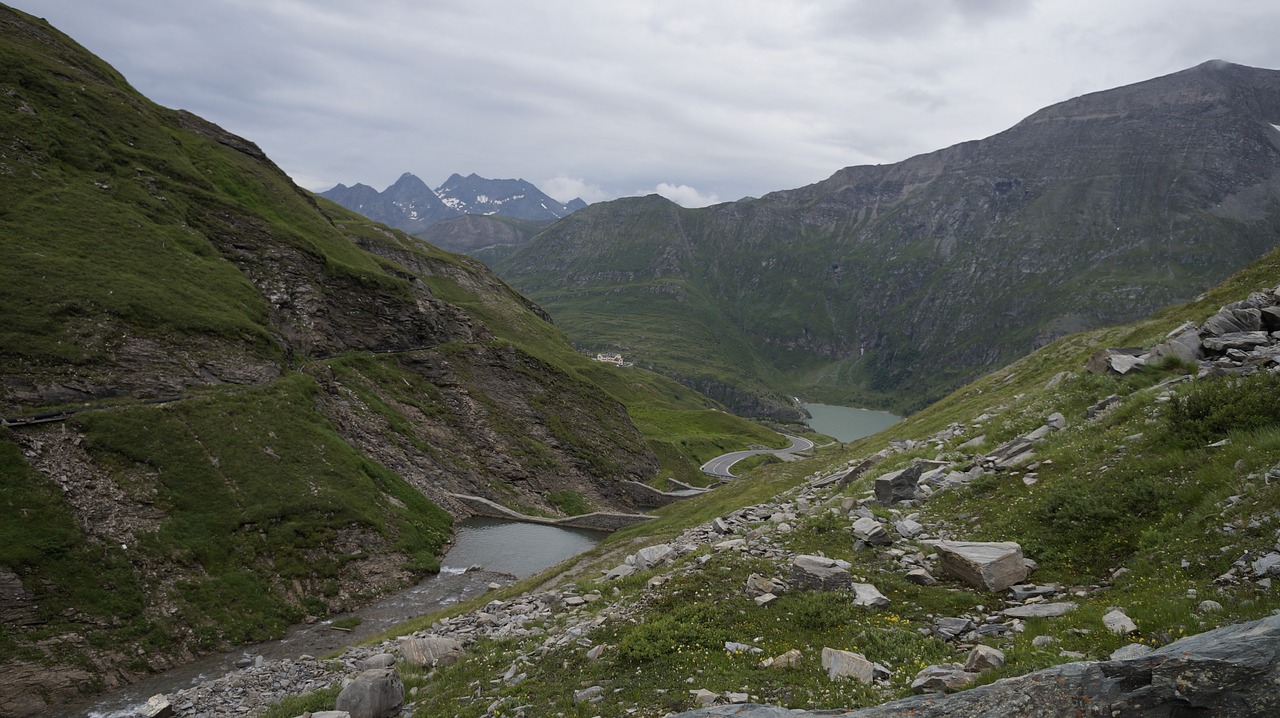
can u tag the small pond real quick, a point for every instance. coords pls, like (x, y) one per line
(847, 423)
(519, 549)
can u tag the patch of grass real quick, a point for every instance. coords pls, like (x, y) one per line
(570, 503)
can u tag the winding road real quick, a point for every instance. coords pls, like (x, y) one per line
(719, 466)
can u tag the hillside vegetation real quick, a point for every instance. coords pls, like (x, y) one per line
(892, 285)
(1165, 505)
(264, 401)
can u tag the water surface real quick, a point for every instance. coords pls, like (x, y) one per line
(847, 423)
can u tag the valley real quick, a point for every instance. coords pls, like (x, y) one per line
(238, 415)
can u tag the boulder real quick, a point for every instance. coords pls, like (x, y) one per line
(864, 594)
(949, 628)
(430, 651)
(790, 659)
(378, 660)
(1243, 341)
(1232, 321)
(920, 577)
(1185, 346)
(819, 573)
(993, 566)
(1271, 318)
(157, 706)
(908, 528)
(1117, 622)
(1119, 360)
(654, 556)
(983, 658)
(847, 664)
(945, 678)
(871, 531)
(1268, 565)
(376, 693)
(897, 486)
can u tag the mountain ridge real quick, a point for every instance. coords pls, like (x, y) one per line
(410, 205)
(924, 273)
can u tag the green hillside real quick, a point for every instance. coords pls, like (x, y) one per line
(263, 402)
(1159, 506)
(892, 285)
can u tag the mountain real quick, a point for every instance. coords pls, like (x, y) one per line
(412, 206)
(508, 197)
(483, 236)
(891, 285)
(408, 205)
(229, 407)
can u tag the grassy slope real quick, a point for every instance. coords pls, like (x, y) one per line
(236, 500)
(1138, 489)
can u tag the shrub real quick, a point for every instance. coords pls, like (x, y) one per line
(1214, 408)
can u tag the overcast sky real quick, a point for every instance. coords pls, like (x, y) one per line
(698, 100)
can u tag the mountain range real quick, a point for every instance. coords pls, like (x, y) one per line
(891, 285)
(410, 205)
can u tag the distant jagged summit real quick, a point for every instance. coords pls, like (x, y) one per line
(412, 206)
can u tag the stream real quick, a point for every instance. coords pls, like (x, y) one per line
(506, 550)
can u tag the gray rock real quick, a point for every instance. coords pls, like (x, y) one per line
(993, 566)
(157, 706)
(898, 486)
(376, 693)
(1040, 610)
(1230, 672)
(430, 651)
(1232, 321)
(1133, 650)
(1117, 622)
(1270, 318)
(1209, 606)
(944, 678)
(908, 528)
(1185, 346)
(1111, 359)
(864, 594)
(1022, 592)
(1268, 565)
(951, 628)
(654, 556)
(920, 577)
(819, 573)
(1243, 341)
(378, 660)
(871, 531)
(983, 658)
(328, 714)
(593, 694)
(847, 664)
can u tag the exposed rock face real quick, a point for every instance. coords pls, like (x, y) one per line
(1230, 672)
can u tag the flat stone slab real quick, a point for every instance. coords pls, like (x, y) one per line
(1041, 610)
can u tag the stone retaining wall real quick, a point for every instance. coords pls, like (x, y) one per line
(597, 521)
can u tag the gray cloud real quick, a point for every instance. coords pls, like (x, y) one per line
(706, 100)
